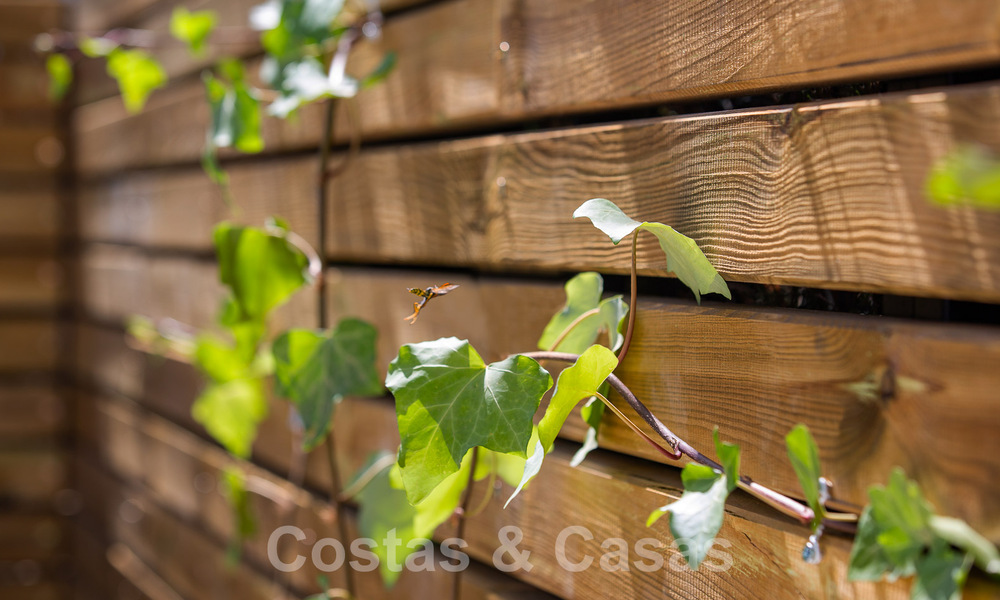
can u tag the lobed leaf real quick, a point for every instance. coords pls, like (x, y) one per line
(583, 295)
(940, 575)
(696, 518)
(260, 269)
(192, 28)
(315, 370)
(449, 401)
(231, 412)
(138, 75)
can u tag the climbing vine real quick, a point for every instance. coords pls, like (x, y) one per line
(460, 419)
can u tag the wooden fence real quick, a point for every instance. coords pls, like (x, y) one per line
(500, 118)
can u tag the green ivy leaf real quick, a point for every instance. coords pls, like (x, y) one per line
(220, 361)
(958, 533)
(804, 456)
(239, 499)
(60, 75)
(98, 47)
(138, 74)
(291, 26)
(192, 28)
(231, 412)
(696, 518)
(583, 294)
(315, 370)
(576, 383)
(261, 270)
(449, 401)
(305, 81)
(684, 258)
(235, 112)
(940, 575)
(893, 531)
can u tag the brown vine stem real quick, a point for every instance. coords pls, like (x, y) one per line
(456, 583)
(632, 301)
(335, 495)
(776, 500)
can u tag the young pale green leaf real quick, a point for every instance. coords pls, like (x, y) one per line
(235, 115)
(696, 518)
(292, 26)
(940, 575)
(449, 401)
(305, 81)
(244, 523)
(688, 262)
(138, 74)
(261, 270)
(316, 370)
(220, 361)
(592, 412)
(575, 384)
(192, 28)
(60, 75)
(607, 217)
(729, 457)
(958, 533)
(804, 456)
(97, 47)
(684, 258)
(583, 295)
(868, 561)
(231, 412)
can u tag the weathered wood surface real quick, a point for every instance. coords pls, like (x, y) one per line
(29, 149)
(22, 20)
(764, 556)
(876, 392)
(28, 536)
(823, 195)
(118, 282)
(28, 345)
(31, 410)
(566, 56)
(25, 85)
(29, 282)
(30, 477)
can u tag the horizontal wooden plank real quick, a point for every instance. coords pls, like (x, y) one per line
(30, 282)
(31, 410)
(824, 195)
(546, 508)
(877, 393)
(180, 210)
(28, 345)
(22, 20)
(25, 85)
(32, 537)
(29, 214)
(451, 72)
(118, 282)
(755, 374)
(29, 150)
(31, 477)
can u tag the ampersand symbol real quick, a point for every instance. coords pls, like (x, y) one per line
(510, 536)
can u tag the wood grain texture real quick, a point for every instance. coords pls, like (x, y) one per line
(186, 486)
(118, 282)
(568, 56)
(31, 410)
(179, 210)
(764, 557)
(29, 345)
(824, 195)
(22, 20)
(29, 283)
(876, 392)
